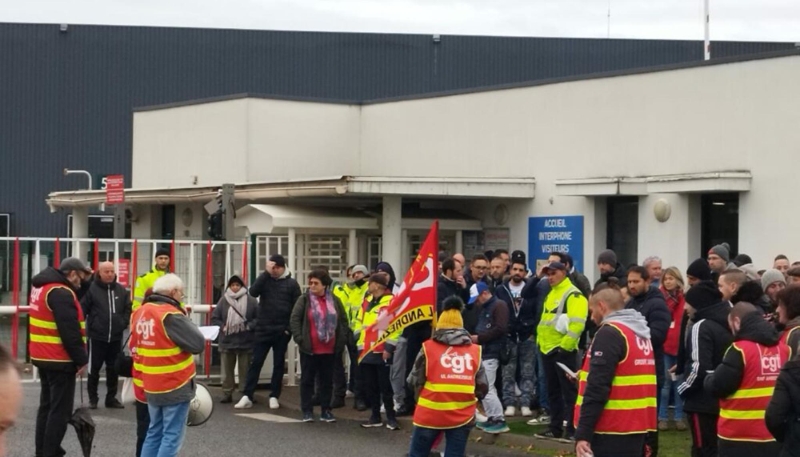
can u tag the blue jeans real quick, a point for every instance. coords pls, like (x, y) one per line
(670, 387)
(541, 382)
(167, 429)
(422, 441)
(524, 355)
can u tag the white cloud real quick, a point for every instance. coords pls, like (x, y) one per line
(752, 20)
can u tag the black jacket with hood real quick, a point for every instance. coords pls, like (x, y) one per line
(751, 292)
(619, 273)
(783, 413)
(707, 339)
(62, 304)
(653, 307)
(107, 308)
(276, 298)
(522, 321)
(727, 377)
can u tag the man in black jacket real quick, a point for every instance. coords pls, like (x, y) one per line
(451, 283)
(609, 267)
(707, 339)
(107, 308)
(277, 292)
(66, 286)
(522, 321)
(730, 378)
(650, 303)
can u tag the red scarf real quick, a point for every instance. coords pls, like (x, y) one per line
(676, 303)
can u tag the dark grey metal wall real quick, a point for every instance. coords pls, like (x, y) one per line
(66, 99)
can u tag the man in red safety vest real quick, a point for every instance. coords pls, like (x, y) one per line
(57, 347)
(744, 382)
(616, 404)
(448, 375)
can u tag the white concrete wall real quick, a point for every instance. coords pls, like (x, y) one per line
(725, 117)
(171, 146)
(296, 140)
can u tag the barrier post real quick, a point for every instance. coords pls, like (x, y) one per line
(172, 257)
(244, 262)
(57, 254)
(15, 299)
(209, 300)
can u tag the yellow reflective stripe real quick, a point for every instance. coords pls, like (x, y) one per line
(450, 388)
(138, 382)
(444, 406)
(572, 334)
(158, 352)
(632, 404)
(634, 380)
(753, 393)
(42, 324)
(83, 324)
(746, 414)
(164, 369)
(577, 319)
(45, 339)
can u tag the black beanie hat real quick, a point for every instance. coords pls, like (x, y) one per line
(162, 251)
(742, 259)
(700, 270)
(703, 294)
(235, 279)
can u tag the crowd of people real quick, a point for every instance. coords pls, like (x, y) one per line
(605, 367)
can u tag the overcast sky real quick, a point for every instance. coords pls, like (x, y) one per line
(751, 20)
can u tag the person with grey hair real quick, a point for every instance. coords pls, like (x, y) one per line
(653, 266)
(160, 326)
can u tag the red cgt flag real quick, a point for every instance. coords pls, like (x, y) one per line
(414, 302)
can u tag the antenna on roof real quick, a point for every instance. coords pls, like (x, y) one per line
(707, 43)
(609, 20)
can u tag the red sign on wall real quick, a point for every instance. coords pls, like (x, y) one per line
(115, 189)
(124, 275)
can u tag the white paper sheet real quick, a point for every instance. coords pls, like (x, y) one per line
(571, 373)
(210, 332)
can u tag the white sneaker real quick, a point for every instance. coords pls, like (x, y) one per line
(480, 417)
(526, 412)
(273, 403)
(510, 411)
(383, 409)
(244, 403)
(349, 394)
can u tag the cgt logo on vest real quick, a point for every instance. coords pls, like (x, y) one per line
(644, 345)
(770, 363)
(145, 328)
(456, 362)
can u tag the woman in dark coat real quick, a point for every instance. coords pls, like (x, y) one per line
(235, 314)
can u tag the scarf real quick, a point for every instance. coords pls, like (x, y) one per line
(238, 303)
(324, 321)
(673, 298)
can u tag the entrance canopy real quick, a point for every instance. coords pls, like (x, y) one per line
(280, 218)
(438, 187)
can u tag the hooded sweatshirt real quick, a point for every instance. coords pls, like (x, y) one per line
(607, 350)
(450, 337)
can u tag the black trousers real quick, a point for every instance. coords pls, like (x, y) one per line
(561, 392)
(313, 367)
(142, 424)
(413, 346)
(652, 437)
(618, 445)
(355, 379)
(339, 377)
(377, 388)
(704, 434)
(103, 353)
(278, 343)
(55, 409)
(729, 448)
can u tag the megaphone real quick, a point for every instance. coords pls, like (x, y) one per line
(201, 407)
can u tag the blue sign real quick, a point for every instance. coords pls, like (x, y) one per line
(551, 234)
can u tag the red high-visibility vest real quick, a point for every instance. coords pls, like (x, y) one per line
(136, 375)
(448, 398)
(787, 333)
(631, 405)
(162, 365)
(741, 415)
(45, 341)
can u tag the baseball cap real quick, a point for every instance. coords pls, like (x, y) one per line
(74, 264)
(476, 290)
(555, 266)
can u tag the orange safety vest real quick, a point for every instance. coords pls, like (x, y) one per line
(741, 415)
(136, 376)
(785, 340)
(448, 398)
(45, 341)
(631, 405)
(162, 365)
